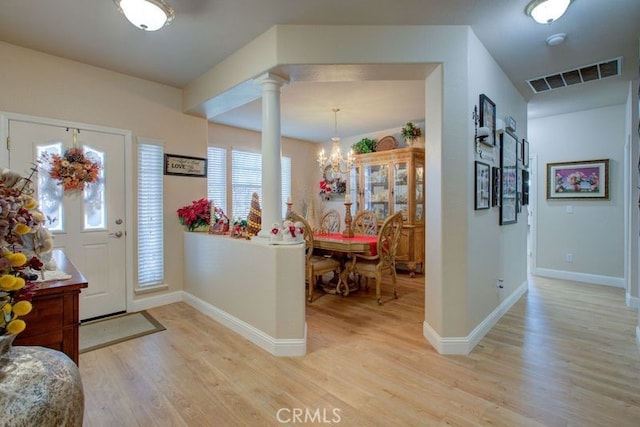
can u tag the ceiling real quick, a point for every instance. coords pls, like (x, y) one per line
(205, 32)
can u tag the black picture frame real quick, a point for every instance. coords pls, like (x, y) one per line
(509, 178)
(525, 153)
(576, 180)
(482, 199)
(175, 164)
(495, 186)
(525, 187)
(488, 119)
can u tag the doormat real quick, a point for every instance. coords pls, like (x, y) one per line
(104, 332)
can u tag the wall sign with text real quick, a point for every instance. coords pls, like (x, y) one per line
(185, 165)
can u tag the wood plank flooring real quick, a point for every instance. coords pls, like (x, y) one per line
(564, 355)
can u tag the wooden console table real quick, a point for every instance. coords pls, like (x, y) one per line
(55, 318)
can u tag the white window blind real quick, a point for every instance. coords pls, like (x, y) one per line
(150, 214)
(246, 178)
(217, 177)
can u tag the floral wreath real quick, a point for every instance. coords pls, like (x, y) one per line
(73, 170)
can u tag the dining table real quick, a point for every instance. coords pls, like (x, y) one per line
(344, 246)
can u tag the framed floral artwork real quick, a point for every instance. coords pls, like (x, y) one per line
(585, 179)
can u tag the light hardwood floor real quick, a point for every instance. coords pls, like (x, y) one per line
(564, 355)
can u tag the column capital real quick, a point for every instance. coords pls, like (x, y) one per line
(271, 78)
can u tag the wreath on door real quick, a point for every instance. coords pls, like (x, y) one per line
(73, 170)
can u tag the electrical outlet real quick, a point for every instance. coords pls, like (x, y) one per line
(500, 284)
(569, 258)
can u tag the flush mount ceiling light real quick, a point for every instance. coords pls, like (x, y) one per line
(148, 15)
(556, 39)
(546, 11)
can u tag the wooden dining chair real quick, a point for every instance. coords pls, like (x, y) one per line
(315, 266)
(331, 221)
(384, 261)
(365, 222)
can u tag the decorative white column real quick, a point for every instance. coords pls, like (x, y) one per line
(271, 202)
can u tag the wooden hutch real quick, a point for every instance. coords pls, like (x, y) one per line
(392, 181)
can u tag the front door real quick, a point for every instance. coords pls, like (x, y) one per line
(88, 225)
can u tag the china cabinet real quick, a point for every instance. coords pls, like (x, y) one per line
(392, 181)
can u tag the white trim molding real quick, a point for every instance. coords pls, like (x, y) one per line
(275, 346)
(593, 279)
(155, 301)
(464, 345)
(631, 301)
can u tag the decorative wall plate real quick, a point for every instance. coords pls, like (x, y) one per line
(386, 143)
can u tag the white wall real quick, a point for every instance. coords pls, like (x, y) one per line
(593, 233)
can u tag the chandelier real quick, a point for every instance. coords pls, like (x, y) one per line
(336, 160)
(148, 15)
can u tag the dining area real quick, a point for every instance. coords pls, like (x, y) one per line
(343, 257)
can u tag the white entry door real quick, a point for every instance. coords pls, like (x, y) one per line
(87, 225)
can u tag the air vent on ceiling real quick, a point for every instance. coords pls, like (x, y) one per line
(583, 74)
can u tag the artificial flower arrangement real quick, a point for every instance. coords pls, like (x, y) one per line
(19, 216)
(195, 215)
(410, 131)
(73, 170)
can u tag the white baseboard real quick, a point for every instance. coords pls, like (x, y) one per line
(632, 302)
(152, 301)
(593, 279)
(638, 336)
(464, 345)
(275, 346)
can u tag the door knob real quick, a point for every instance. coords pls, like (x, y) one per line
(117, 234)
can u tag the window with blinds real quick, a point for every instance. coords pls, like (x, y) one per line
(217, 177)
(246, 178)
(150, 213)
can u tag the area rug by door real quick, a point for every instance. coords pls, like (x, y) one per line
(101, 333)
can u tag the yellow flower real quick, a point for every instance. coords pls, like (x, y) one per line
(30, 203)
(20, 283)
(21, 228)
(16, 326)
(16, 259)
(6, 309)
(22, 308)
(7, 282)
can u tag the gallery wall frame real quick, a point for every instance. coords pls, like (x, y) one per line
(508, 178)
(175, 164)
(576, 180)
(488, 119)
(495, 186)
(482, 186)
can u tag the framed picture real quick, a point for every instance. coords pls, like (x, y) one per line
(483, 186)
(185, 165)
(525, 153)
(509, 178)
(525, 187)
(495, 186)
(488, 119)
(586, 179)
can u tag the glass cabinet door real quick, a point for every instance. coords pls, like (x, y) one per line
(400, 189)
(419, 196)
(376, 190)
(354, 188)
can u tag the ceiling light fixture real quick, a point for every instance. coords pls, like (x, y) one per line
(556, 39)
(148, 15)
(546, 11)
(336, 160)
